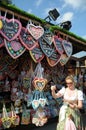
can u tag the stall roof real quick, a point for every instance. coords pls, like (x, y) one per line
(79, 44)
(79, 56)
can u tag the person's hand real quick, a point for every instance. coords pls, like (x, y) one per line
(71, 105)
(75, 105)
(53, 88)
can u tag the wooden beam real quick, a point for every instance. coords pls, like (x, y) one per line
(78, 59)
(20, 16)
(72, 38)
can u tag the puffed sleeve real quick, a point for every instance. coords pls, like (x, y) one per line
(80, 95)
(62, 91)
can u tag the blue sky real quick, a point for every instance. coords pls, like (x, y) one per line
(73, 10)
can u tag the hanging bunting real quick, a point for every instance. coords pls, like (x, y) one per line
(27, 39)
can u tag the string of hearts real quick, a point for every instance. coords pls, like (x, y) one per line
(39, 42)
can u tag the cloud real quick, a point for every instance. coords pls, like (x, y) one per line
(29, 11)
(38, 2)
(77, 4)
(66, 17)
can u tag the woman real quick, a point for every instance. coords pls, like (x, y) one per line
(69, 115)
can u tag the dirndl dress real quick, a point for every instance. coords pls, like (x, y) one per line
(69, 119)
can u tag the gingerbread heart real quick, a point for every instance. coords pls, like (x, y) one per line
(67, 47)
(54, 58)
(11, 28)
(15, 120)
(36, 54)
(1, 41)
(6, 122)
(35, 31)
(64, 59)
(48, 36)
(14, 48)
(46, 48)
(27, 40)
(35, 103)
(39, 83)
(58, 44)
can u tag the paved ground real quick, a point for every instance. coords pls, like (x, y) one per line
(51, 125)
(83, 121)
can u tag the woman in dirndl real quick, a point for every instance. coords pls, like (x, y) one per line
(69, 114)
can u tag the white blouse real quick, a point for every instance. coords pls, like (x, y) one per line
(78, 95)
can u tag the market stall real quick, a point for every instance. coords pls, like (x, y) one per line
(33, 56)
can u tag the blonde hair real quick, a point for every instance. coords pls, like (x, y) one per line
(71, 78)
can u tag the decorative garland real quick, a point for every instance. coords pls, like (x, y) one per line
(40, 42)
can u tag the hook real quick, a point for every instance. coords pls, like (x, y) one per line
(13, 17)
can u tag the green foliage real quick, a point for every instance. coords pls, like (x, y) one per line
(6, 1)
(54, 28)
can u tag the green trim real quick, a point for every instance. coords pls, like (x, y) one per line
(53, 28)
(19, 11)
